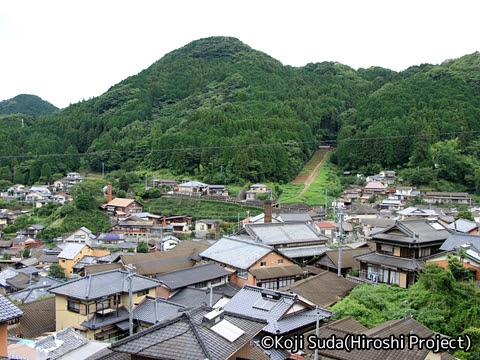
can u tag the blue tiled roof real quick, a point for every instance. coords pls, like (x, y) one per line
(8, 310)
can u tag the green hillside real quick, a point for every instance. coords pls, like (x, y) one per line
(26, 104)
(219, 111)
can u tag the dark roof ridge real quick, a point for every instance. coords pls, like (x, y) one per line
(250, 241)
(246, 317)
(259, 289)
(195, 331)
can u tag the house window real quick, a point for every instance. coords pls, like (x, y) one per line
(424, 252)
(76, 306)
(217, 280)
(280, 261)
(241, 273)
(394, 277)
(143, 292)
(201, 284)
(387, 249)
(263, 263)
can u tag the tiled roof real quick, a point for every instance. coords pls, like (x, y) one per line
(184, 255)
(36, 290)
(284, 233)
(155, 310)
(8, 310)
(70, 251)
(61, 343)
(38, 318)
(391, 261)
(324, 289)
(456, 240)
(463, 226)
(236, 252)
(295, 217)
(99, 321)
(193, 297)
(190, 276)
(95, 286)
(303, 251)
(250, 302)
(413, 231)
(273, 272)
(187, 337)
(120, 202)
(98, 268)
(395, 328)
(347, 257)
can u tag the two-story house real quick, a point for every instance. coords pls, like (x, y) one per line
(257, 189)
(122, 207)
(400, 251)
(74, 252)
(97, 305)
(250, 262)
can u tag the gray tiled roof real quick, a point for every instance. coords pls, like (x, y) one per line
(60, 343)
(99, 321)
(413, 231)
(192, 297)
(391, 261)
(456, 240)
(190, 276)
(236, 252)
(8, 310)
(463, 226)
(324, 289)
(98, 285)
(38, 319)
(244, 303)
(154, 310)
(284, 233)
(186, 337)
(273, 272)
(303, 251)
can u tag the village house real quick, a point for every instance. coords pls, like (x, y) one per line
(406, 193)
(413, 212)
(165, 184)
(204, 227)
(9, 314)
(373, 188)
(433, 197)
(191, 188)
(74, 252)
(184, 255)
(201, 333)
(400, 251)
(333, 289)
(251, 262)
(122, 207)
(217, 190)
(97, 311)
(204, 276)
(464, 226)
(82, 235)
(463, 246)
(285, 313)
(330, 259)
(350, 328)
(256, 190)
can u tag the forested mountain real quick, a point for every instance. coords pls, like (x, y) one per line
(26, 104)
(217, 103)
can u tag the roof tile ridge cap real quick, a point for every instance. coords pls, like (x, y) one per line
(197, 335)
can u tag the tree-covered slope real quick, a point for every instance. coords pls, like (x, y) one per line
(219, 111)
(26, 104)
(215, 103)
(412, 121)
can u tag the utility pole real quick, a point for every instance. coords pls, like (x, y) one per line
(130, 298)
(316, 332)
(326, 201)
(340, 238)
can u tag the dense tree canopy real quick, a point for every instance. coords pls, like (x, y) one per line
(222, 112)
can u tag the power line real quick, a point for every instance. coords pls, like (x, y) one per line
(219, 147)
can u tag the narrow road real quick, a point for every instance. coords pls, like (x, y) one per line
(313, 174)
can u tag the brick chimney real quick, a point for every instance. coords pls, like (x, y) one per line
(268, 211)
(217, 230)
(109, 193)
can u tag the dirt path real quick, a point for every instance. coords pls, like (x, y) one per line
(308, 179)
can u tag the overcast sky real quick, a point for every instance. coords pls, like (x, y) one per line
(66, 50)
